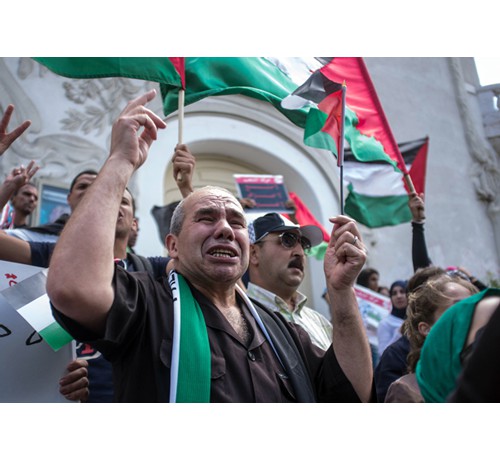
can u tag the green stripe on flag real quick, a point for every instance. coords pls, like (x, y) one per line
(39, 315)
(255, 77)
(313, 136)
(377, 211)
(159, 69)
(55, 336)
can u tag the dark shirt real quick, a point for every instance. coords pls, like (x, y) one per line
(391, 366)
(138, 341)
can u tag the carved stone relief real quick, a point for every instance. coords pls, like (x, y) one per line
(86, 111)
(486, 170)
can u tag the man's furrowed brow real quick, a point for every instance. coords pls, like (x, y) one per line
(206, 211)
(214, 211)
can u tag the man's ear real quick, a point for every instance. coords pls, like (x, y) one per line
(171, 245)
(424, 328)
(254, 254)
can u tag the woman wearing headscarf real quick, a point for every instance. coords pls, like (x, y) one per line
(450, 342)
(389, 328)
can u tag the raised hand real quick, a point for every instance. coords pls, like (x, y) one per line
(345, 255)
(417, 206)
(135, 130)
(183, 169)
(6, 139)
(21, 175)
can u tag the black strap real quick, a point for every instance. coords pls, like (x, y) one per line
(289, 354)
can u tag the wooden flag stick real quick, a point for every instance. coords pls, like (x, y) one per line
(409, 182)
(342, 190)
(181, 124)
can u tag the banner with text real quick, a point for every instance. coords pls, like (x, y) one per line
(374, 307)
(268, 192)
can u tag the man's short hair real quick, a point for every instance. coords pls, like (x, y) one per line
(31, 184)
(179, 212)
(91, 172)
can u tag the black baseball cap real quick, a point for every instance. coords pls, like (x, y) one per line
(274, 222)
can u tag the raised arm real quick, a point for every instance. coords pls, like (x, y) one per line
(344, 259)
(419, 253)
(81, 270)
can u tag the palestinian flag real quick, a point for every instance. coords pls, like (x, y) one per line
(378, 195)
(30, 300)
(165, 70)
(256, 77)
(305, 90)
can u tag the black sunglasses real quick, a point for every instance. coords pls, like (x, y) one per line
(289, 240)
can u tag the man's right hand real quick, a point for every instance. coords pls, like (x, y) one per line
(127, 139)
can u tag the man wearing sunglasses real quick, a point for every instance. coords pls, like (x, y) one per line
(277, 268)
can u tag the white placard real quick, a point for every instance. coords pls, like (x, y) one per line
(30, 369)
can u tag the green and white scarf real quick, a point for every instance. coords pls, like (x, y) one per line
(190, 373)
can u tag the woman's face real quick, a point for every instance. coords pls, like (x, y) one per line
(398, 297)
(373, 282)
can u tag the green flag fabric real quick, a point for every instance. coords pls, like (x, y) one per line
(159, 69)
(377, 195)
(254, 77)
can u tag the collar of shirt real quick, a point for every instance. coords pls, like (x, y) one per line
(274, 302)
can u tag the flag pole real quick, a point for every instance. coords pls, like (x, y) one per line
(181, 124)
(340, 155)
(409, 182)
